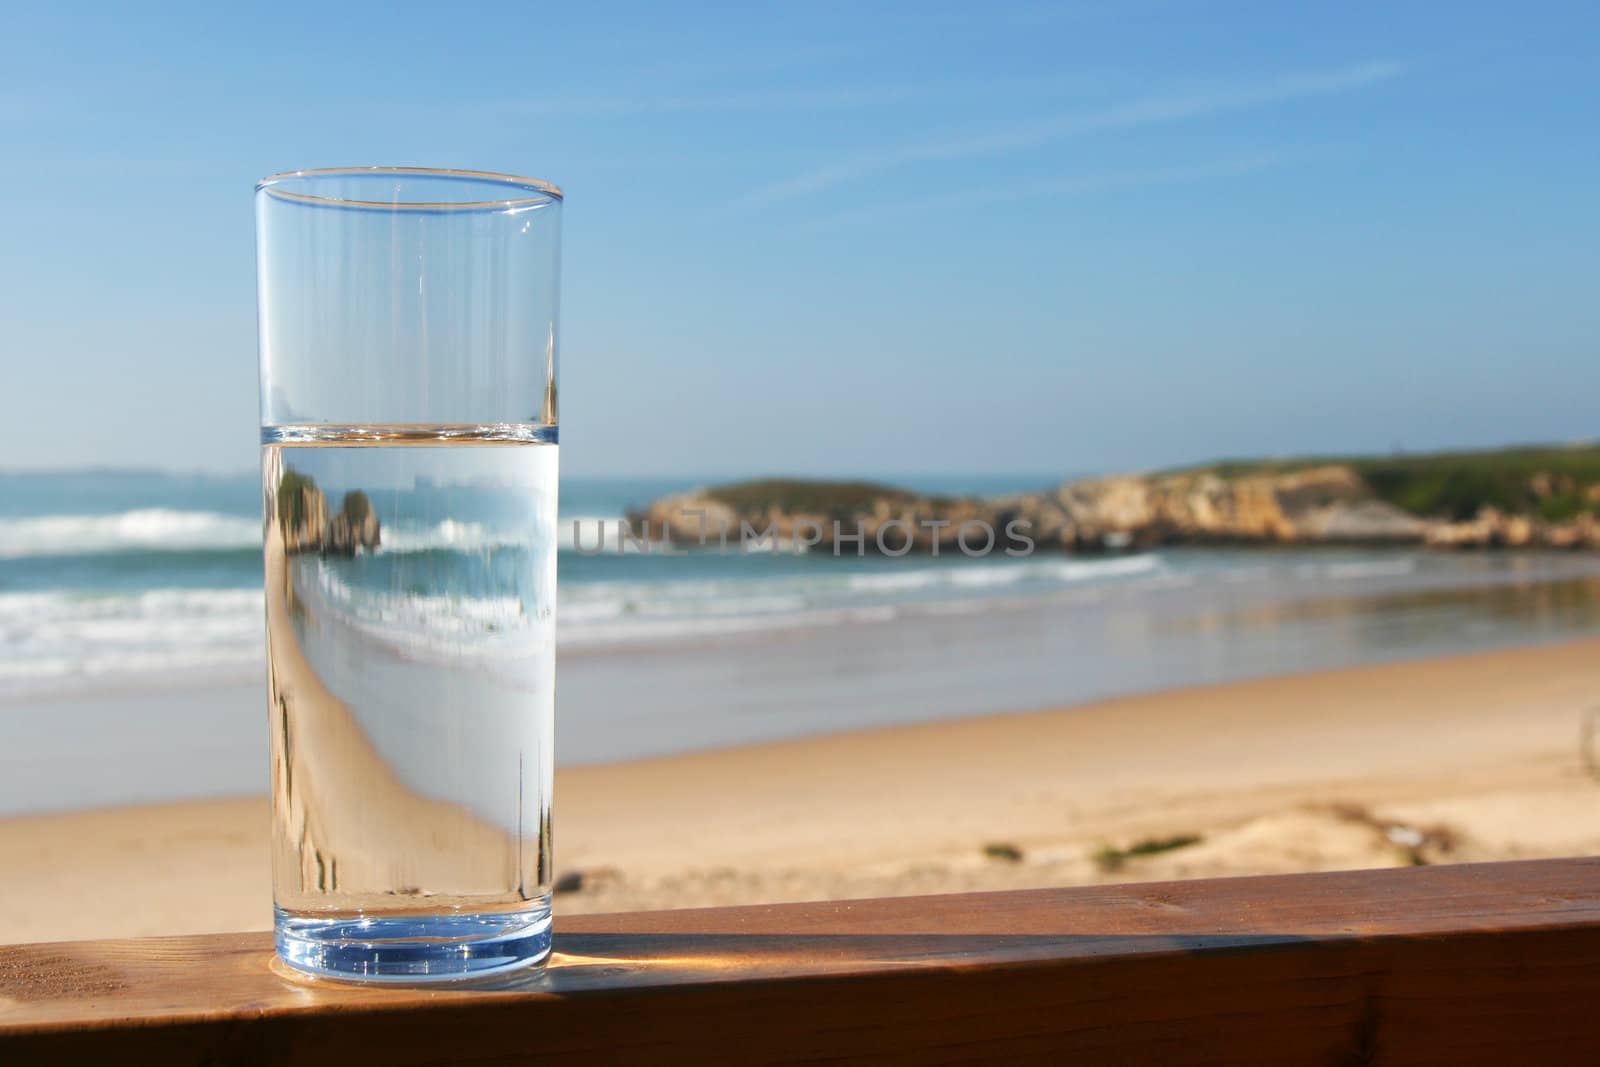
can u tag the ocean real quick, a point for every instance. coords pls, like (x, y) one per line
(117, 578)
(132, 661)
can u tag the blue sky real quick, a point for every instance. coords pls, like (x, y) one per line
(850, 238)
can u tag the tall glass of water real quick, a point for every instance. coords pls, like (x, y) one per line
(408, 322)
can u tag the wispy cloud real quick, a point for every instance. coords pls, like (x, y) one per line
(643, 101)
(1031, 16)
(1017, 136)
(687, 62)
(1074, 185)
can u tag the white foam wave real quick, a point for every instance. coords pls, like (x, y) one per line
(1387, 568)
(454, 627)
(974, 575)
(143, 529)
(175, 530)
(615, 611)
(51, 639)
(651, 630)
(892, 582)
(461, 536)
(438, 612)
(170, 529)
(1351, 570)
(477, 536)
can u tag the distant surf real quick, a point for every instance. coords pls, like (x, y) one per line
(148, 529)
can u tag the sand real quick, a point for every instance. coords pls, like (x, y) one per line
(1469, 757)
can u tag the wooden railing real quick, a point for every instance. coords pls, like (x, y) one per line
(1489, 963)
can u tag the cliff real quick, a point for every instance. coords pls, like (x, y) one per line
(1516, 498)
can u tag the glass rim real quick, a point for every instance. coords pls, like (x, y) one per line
(541, 191)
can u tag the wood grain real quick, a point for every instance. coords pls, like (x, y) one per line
(1488, 963)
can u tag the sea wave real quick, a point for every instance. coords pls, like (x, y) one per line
(1356, 569)
(176, 530)
(982, 575)
(41, 609)
(497, 633)
(604, 612)
(449, 534)
(645, 631)
(52, 638)
(142, 529)
(476, 536)
(48, 639)
(438, 612)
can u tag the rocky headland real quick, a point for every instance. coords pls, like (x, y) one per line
(1514, 498)
(308, 526)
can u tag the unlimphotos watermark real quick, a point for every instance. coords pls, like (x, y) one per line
(973, 538)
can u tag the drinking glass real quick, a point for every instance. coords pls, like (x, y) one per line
(408, 322)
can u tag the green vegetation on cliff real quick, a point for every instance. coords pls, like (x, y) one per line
(804, 496)
(356, 506)
(294, 491)
(1549, 482)
(1544, 497)
(1553, 483)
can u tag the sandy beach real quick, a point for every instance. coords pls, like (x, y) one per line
(1469, 757)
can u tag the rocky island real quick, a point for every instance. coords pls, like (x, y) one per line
(1537, 497)
(303, 516)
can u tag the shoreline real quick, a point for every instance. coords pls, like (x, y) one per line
(194, 736)
(1462, 757)
(836, 594)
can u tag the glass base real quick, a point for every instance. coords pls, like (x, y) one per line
(414, 948)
